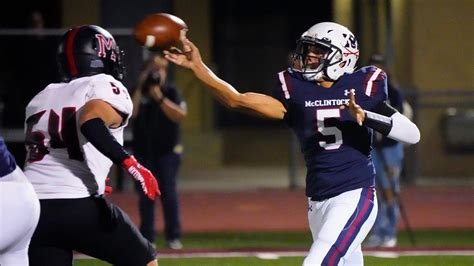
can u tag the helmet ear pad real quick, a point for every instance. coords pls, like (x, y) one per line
(336, 69)
(86, 65)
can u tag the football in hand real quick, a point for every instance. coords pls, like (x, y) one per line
(159, 31)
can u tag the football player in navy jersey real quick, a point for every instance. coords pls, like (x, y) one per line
(19, 210)
(317, 99)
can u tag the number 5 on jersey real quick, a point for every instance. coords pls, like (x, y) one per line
(321, 116)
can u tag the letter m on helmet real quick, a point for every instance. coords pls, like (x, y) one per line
(104, 44)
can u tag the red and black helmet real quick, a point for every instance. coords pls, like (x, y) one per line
(89, 50)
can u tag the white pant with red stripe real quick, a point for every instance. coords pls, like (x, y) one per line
(19, 215)
(339, 225)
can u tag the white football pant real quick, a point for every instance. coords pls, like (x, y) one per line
(339, 225)
(19, 215)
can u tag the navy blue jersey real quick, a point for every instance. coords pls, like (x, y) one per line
(7, 161)
(336, 149)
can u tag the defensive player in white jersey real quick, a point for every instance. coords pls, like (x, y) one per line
(19, 211)
(336, 143)
(74, 132)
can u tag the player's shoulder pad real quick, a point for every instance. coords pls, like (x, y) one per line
(373, 80)
(110, 90)
(35, 104)
(370, 70)
(294, 74)
(100, 80)
(285, 81)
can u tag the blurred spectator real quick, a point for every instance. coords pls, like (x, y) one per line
(36, 23)
(31, 60)
(158, 111)
(388, 158)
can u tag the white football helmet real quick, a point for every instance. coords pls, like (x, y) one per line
(332, 46)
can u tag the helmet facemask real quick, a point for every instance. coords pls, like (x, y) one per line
(312, 57)
(118, 70)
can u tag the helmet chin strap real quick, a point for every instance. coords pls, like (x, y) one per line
(319, 76)
(313, 76)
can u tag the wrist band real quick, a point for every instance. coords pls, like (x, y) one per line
(378, 122)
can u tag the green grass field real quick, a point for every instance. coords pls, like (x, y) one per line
(288, 261)
(302, 240)
(458, 238)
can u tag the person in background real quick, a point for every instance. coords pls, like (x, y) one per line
(38, 50)
(36, 23)
(158, 111)
(388, 161)
(19, 211)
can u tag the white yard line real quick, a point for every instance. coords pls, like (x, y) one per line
(276, 254)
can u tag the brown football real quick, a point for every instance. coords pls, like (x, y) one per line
(159, 31)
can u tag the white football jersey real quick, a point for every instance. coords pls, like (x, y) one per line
(60, 162)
